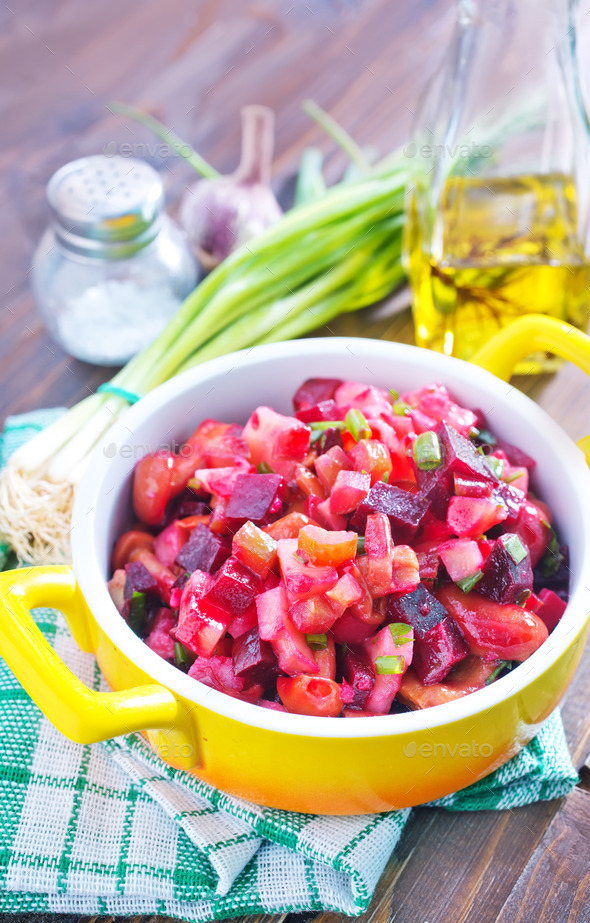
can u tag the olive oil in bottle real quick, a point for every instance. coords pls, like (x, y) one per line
(499, 248)
(498, 207)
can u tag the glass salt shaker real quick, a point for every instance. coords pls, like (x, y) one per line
(112, 268)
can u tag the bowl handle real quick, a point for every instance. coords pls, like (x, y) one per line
(531, 333)
(80, 713)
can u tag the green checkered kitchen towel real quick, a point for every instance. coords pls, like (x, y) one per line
(109, 828)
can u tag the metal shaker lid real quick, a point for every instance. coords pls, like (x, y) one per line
(105, 198)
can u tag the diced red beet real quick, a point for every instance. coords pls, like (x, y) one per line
(428, 560)
(437, 652)
(328, 518)
(218, 672)
(516, 456)
(272, 706)
(330, 439)
(189, 506)
(313, 616)
(255, 549)
(404, 510)
(159, 638)
(293, 652)
(138, 579)
(325, 658)
(200, 625)
(275, 439)
(351, 630)
(116, 587)
(518, 478)
(551, 609)
(204, 551)
(460, 456)
(437, 488)
(387, 684)
(469, 517)
(324, 411)
(358, 674)
(219, 444)
(271, 607)
(533, 530)
(169, 543)
(255, 497)
(254, 659)
(363, 609)
(437, 403)
(511, 498)
(329, 464)
(372, 456)
(379, 549)
(194, 589)
(219, 480)
(503, 579)
(462, 557)
(163, 576)
(469, 487)
(217, 520)
(345, 593)
(372, 401)
(314, 391)
(419, 609)
(348, 490)
(235, 587)
(303, 580)
(243, 622)
(434, 530)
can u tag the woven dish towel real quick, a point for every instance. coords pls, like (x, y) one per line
(109, 828)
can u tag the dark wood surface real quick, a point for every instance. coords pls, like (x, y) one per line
(194, 65)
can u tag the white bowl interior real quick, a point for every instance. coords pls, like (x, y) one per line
(229, 389)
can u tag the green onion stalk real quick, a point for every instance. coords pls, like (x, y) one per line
(330, 255)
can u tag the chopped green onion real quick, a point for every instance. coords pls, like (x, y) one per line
(137, 611)
(401, 409)
(467, 583)
(182, 656)
(264, 468)
(512, 477)
(514, 547)
(394, 394)
(389, 664)
(522, 597)
(360, 544)
(553, 558)
(299, 558)
(323, 425)
(427, 451)
(356, 424)
(503, 665)
(484, 435)
(385, 477)
(317, 642)
(495, 464)
(400, 632)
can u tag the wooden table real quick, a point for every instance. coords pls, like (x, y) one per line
(194, 65)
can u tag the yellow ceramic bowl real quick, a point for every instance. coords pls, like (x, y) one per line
(291, 761)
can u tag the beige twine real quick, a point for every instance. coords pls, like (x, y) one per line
(36, 516)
